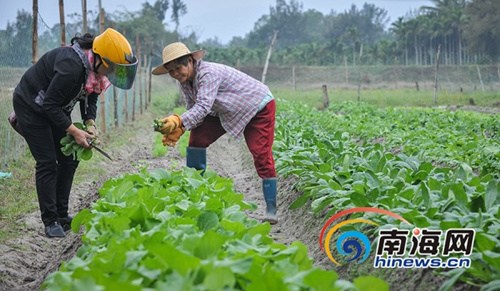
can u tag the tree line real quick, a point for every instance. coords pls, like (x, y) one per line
(462, 31)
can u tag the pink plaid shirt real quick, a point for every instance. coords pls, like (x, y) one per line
(225, 92)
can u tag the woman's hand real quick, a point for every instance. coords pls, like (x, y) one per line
(81, 136)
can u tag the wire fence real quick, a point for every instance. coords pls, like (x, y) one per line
(450, 78)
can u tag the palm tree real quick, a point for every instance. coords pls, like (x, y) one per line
(179, 9)
(451, 14)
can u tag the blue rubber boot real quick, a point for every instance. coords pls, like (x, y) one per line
(196, 158)
(269, 188)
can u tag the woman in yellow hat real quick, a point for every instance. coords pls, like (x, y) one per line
(44, 99)
(221, 99)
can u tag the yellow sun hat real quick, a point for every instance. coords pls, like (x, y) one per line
(174, 51)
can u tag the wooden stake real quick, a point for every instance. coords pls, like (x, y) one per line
(264, 73)
(102, 97)
(84, 16)
(62, 23)
(480, 78)
(34, 44)
(326, 99)
(436, 75)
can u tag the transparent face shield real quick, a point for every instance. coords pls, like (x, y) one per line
(121, 75)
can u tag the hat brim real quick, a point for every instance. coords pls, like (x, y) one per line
(160, 70)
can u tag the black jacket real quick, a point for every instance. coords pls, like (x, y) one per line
(59, 76)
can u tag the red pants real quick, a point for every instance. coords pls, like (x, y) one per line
(259, 136)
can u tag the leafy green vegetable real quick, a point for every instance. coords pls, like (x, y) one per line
(70, 147)
(157, 124)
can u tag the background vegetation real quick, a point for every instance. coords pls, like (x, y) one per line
(464, 31)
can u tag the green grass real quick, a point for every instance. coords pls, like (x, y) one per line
(18, 196)
(390, 97)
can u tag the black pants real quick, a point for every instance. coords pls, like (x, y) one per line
(54, 171)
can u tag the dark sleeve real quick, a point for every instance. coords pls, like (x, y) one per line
(67, 79)
(90, 112)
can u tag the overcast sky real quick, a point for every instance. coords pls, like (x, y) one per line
(208, 18)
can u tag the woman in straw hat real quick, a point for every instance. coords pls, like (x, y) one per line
(221, 99)
(44, 99)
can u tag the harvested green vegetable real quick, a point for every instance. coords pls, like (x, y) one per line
(70, 147)
(157, 125)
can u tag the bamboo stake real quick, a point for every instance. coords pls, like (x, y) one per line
(115, 105)
(34, 44)
(359, 72)
(326, 99)
(62, 23)
(264, 73)
(436, 74)
(102, 97)
(139, 72)
(148, 77)
(480, 78)
(84, 16)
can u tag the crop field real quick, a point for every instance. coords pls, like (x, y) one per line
(437, 169)
(148, 223)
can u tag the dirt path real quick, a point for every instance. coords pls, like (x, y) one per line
(26, 261)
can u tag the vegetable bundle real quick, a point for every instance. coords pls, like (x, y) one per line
(157, 125)
(70, 147)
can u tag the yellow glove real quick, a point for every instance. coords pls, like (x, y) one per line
(91, 128)
(172, 138)
(170, 123)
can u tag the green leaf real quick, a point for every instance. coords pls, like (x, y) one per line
(81, 218)
(179, 261)
(492, 195)
(424, 190)
(492, 258)
(447, 224)
(491, 286)
(66, 139)
(299, 202)
(209, 245)
(370, 283)
(86, 154)
(219, 278)
(207, 220)
(318, 279)
(79, 125)
(460, 195)
(448, 284)
(485, 242)
(359, 199)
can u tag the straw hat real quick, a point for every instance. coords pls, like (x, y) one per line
(174, 51)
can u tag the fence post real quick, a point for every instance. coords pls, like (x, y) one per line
(34, 44)
(62, 23)
(102, 97)
(326, 99)
(480, 78)
(115, 105)
(346, 71)
(139, 71)
(269, 56)
(125, 106)
(436, 75)
(150, 75)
